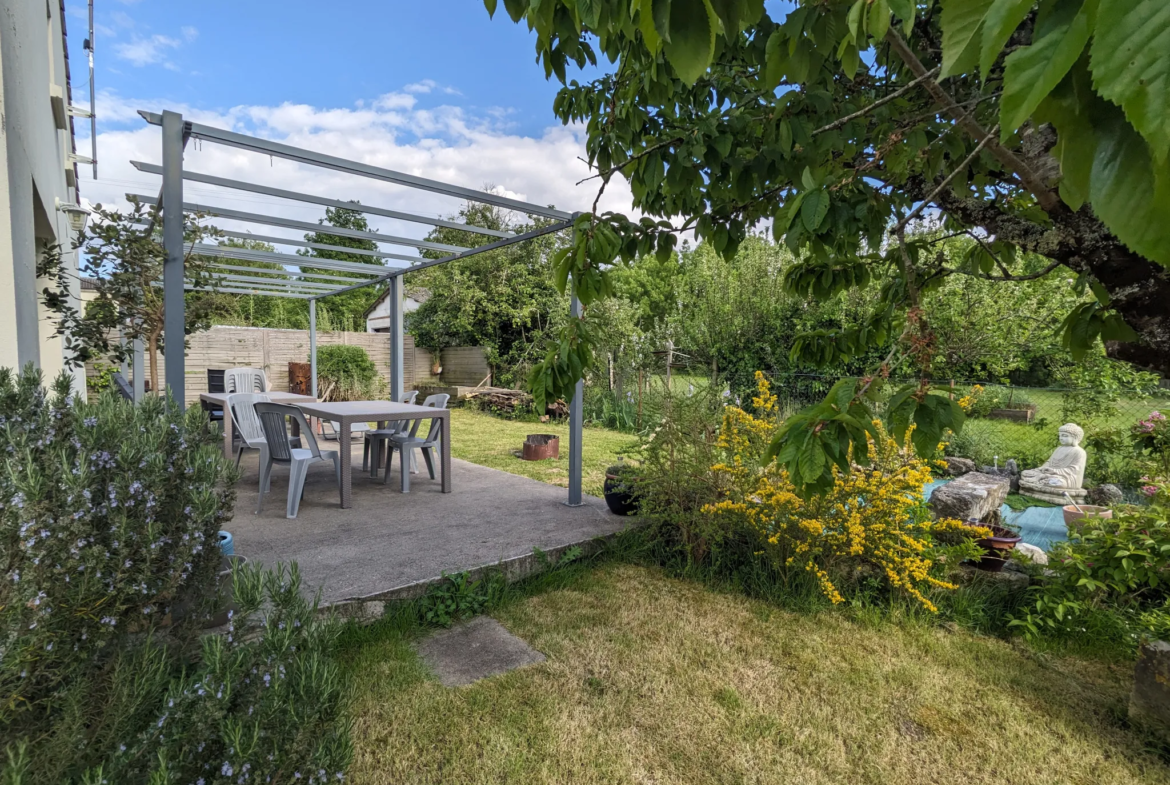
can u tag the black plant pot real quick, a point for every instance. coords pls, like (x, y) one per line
(619, 496)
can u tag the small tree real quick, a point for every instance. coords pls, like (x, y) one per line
(125, 262)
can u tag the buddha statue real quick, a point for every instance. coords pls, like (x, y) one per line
(1063, 472)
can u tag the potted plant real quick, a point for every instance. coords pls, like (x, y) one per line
(996, 547)
(620, 489)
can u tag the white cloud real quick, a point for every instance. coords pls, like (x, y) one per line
(189, 33)
(444, 144)
(145, 51)
(429, 86)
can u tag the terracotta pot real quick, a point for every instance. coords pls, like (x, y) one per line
(1074, 518)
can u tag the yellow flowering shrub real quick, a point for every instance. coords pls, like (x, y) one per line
(967, 402)
(872, 516)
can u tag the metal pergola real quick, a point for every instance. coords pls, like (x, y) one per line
(235, 274)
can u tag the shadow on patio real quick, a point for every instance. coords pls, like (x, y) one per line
(389, 543)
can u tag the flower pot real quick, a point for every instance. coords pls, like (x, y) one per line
(996, 547)
(619, 494)
(436, 368)
(541, 447)
(1074, 518)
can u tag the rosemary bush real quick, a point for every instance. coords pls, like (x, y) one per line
(108, 571)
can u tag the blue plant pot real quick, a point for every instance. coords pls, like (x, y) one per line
(226, 545)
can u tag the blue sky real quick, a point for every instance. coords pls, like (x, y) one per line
(431, 87)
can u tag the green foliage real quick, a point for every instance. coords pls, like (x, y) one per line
(346, 373)
(348, 310)
(108, 522)
(125, 264)
(1119, 565)
(457, 597)
(502, 301)
(827, 122)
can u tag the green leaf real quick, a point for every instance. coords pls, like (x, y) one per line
(1129, 194)
(1031, 73)
(516, 9)
(692, 38)
(879, 19)
(813, 209)
(1069, 109)
(645, 11)
(962, 28)
(490, 5)
(1003, 18)
(850, 60)
(774, 61)
(853, 21)
(660, 12)
(812, 458)
(1131, 65)
(904, 10)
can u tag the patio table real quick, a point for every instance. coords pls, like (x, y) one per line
(346, 413)
(220, 399)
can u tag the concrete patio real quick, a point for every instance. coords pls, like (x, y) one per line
(391, 545)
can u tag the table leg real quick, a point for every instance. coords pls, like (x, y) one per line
(346, 480)
(227, 432)
(446, 453)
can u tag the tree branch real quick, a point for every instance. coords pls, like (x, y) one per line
(1048, 199)
(878, 103)
(947, 181)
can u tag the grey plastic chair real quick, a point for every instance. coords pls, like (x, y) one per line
(245, 380)
(407, 443)
(377, 438)
(246, 424)
(273, 418)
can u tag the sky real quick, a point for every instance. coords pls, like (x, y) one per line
(433, 88)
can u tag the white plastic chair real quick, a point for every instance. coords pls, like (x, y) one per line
(245, 380)
(246, 423)
(406, 443)
(375, 437)
(280, 450)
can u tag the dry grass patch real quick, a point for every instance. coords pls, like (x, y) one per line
(655, 680)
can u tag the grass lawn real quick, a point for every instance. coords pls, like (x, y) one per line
(495, 442)
(655, 680)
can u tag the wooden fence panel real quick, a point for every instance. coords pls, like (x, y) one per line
(465, 366)
(272, 350)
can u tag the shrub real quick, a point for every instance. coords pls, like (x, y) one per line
(108, 521)
(1118, 566)
(346, 373)
(873, 519)
(1152, 437)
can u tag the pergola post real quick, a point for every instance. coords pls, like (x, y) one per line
(576, 420)
(313, 344)
(174, 320)
(394, 298)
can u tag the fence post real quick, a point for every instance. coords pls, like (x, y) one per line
(576, 421)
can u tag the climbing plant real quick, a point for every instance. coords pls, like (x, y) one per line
(1032, 126)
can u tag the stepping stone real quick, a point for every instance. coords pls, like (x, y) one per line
(475, 650)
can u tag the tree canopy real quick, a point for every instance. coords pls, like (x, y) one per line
(1033, 126)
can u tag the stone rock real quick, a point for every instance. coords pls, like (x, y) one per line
(1105, 495)
(475, 650)
(974, 495)
(1036, 555)
(957, 467)
(1149, 703)
(1010, 471)
(1011, 577)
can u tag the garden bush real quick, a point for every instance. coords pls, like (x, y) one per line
(346, 373)
(708, 490)
(108, 522)
(1112, 575)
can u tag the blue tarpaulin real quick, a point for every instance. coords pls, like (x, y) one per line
(1039, 526)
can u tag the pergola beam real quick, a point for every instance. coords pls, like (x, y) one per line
(301, 286)
(281, 193)
(289, 223)
(293, 260)
(267, 238)
(290, 295)
(519, 238)
(288, 152)
(235, 268)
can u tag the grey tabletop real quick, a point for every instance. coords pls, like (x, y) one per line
(368, 410)
(274, 395)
